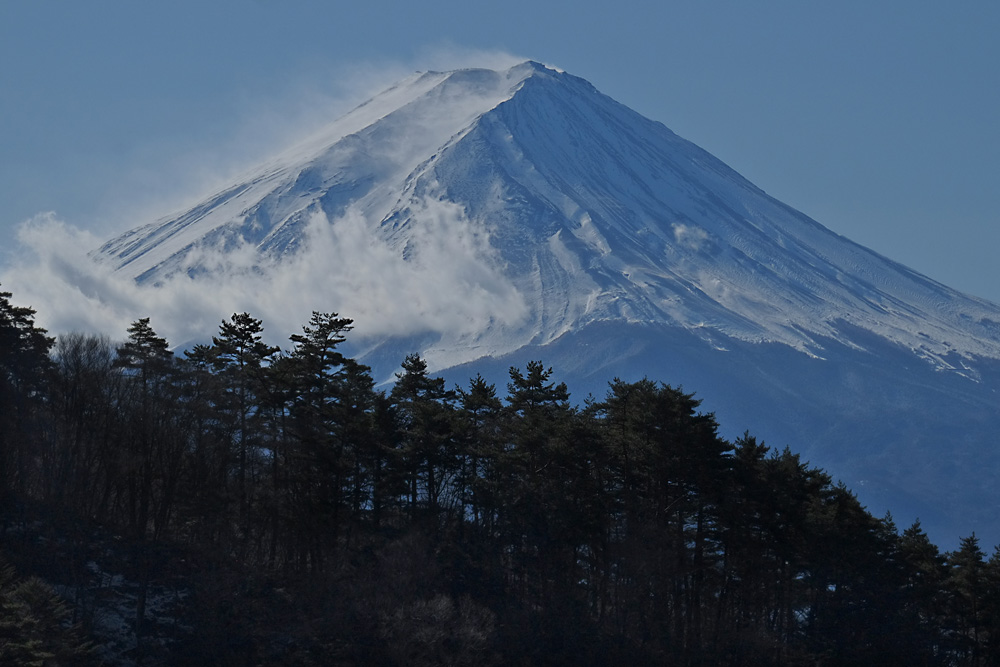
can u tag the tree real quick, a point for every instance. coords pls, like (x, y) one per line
(537, 467)
(991, 608)
(153, 438)
(144, 353)
(24, 369)
(150, 447)
(925, 570)
(239, 356)
(24, 348)
(81, 401)
(325, 392)
(966, 585)
(425, 409)
(34, 625)
(671, 471)
(481, 434)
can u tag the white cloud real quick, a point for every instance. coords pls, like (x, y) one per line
(167, 173)
(448, 283)
(690, 237)
(445, 57)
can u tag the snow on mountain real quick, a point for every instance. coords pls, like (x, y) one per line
(517, 210)
(360, 159)
(589, 210)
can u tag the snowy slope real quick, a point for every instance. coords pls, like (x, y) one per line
(360, 159)
(626, 220)
(498, 216)
(586, 209)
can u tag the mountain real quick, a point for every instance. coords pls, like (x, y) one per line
(521, 214)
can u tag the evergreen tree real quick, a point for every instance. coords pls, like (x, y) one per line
(538, 468)
(425, 409)
(991, 609)
(525, 529)
(24, 368)
(671, 471)
(152, 442)
(240, 356)
(322, 380)
(967, 605)
(925, 570)
(208, 505)
(83, 409)
(481, 433)
(24, 349)
(34, 625)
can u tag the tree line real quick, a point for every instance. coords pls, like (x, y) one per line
(313, 518)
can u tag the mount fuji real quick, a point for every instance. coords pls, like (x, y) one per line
(503, 216)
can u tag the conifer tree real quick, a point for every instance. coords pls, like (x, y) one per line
(24, 368)
(925, 572)
(967, 583)
(537, 427)
(320, 406)
(240, 355)
(152, 443)
(481, 434)
(34, 625)
(425, 408)
(991, 608)
(208, 495)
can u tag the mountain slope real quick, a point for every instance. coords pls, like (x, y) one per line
(359, 159)
(624, 219)
(578, 231)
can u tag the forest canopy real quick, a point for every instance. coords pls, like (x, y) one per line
(297, 514)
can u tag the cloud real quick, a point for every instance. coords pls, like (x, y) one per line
(447, 56)
(692, 238)
(53, 274)
(443, 279)
(169, 172)
(446, 280)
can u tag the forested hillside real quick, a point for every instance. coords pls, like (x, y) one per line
(238, 504)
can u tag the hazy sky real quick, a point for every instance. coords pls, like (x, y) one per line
(881, 120)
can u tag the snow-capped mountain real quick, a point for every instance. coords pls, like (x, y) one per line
(572, 229)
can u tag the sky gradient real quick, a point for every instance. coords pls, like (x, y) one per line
(879, 120)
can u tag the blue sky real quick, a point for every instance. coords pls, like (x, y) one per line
(880, 120)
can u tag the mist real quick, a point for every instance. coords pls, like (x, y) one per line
(451, 285)
(443, 280)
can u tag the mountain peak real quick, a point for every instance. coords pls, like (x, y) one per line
(493, 214)
(581, 206)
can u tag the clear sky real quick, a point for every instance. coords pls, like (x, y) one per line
(881, 120)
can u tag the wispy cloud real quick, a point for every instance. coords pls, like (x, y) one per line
(448, 281)
(444, 280)
(689, 236)
(164, 174)
(445, 57)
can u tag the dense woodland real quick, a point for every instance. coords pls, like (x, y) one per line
(298, 515)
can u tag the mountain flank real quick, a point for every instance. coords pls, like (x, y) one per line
(484, 218)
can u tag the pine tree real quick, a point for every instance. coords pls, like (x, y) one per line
(321, 404)
(991, 608)
(240, 356)
(539, 469)
(966, 584)
(34, 625)
(425, 409)
(481, 433)
(24, 369)
(925, 570)
(152, 443)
